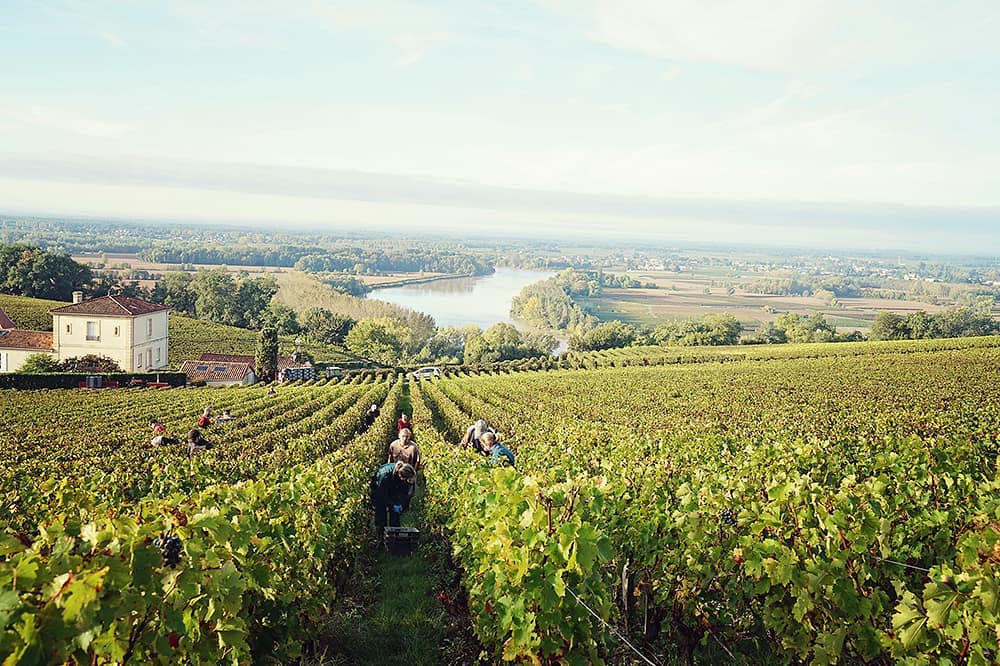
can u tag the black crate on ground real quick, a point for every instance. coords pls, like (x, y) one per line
(401, 540)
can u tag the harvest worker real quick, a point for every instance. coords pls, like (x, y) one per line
(197, 443)
(371, 415)
(205, 419)
(226, 416)
(160, 434)
(499, 454)
(404, 422)
(474, 435)
(390, 491)
(404, 449)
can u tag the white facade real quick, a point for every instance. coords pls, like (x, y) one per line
(11, 360)
(136, 343)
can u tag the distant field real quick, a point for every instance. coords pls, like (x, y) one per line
(681, 296)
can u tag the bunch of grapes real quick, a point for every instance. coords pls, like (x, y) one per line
(727, 517)
(170, 547)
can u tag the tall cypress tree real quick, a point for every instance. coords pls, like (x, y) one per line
(267, 354)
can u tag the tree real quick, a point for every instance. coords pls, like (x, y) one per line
(175, 290)
(29, 271)
(222, 299)
(889, 326)
(281, 317)
(609, 335)
(39, 363)
(325, 327)
(266, 359)
(503, 342)
(382, 340)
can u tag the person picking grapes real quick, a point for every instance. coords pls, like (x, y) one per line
(197, 443)
(404, 422)
(160, 434)
(474, 435)
(499, 454)
(205, 419)
(389, 490)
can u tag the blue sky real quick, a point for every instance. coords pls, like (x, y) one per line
(806, 122)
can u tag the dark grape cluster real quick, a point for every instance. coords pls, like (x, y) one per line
(170, 547)
(727, 517)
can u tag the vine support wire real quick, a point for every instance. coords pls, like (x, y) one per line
(611, 629)
(905, 565)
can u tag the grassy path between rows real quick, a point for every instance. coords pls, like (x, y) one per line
(390, 613)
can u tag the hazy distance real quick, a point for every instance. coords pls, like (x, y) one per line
(841, 125)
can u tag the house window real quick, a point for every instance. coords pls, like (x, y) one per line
(3, 361)
(149, 358)
(149, 328)
(157, 356)
(93, 330)
(69, 328)
(138, 360)
(116, 330)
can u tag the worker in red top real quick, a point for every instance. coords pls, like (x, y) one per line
(205, 419)
(404, 422)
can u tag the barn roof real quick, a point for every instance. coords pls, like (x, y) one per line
(215, 371)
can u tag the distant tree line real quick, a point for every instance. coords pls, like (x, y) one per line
(954, 323)
(716, 329)
(358, 260)
(725, 329)
(263, 255)
(390, 342)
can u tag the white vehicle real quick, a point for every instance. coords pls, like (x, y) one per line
(426, 373)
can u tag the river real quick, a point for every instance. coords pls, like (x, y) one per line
(479, 301)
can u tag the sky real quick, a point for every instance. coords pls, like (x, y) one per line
(808, 122)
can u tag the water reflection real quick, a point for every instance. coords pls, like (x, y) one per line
(480, 301)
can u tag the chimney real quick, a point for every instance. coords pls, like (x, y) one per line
(77, 297)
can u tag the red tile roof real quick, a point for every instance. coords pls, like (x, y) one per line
(17, 339)
(284, 362)
(5, 321)
(227, 358)
(118, 306)
(215, 371)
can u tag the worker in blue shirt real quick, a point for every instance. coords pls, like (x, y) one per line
(498, 453)
(389, 489)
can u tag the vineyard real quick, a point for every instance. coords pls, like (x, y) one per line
(817, 503)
